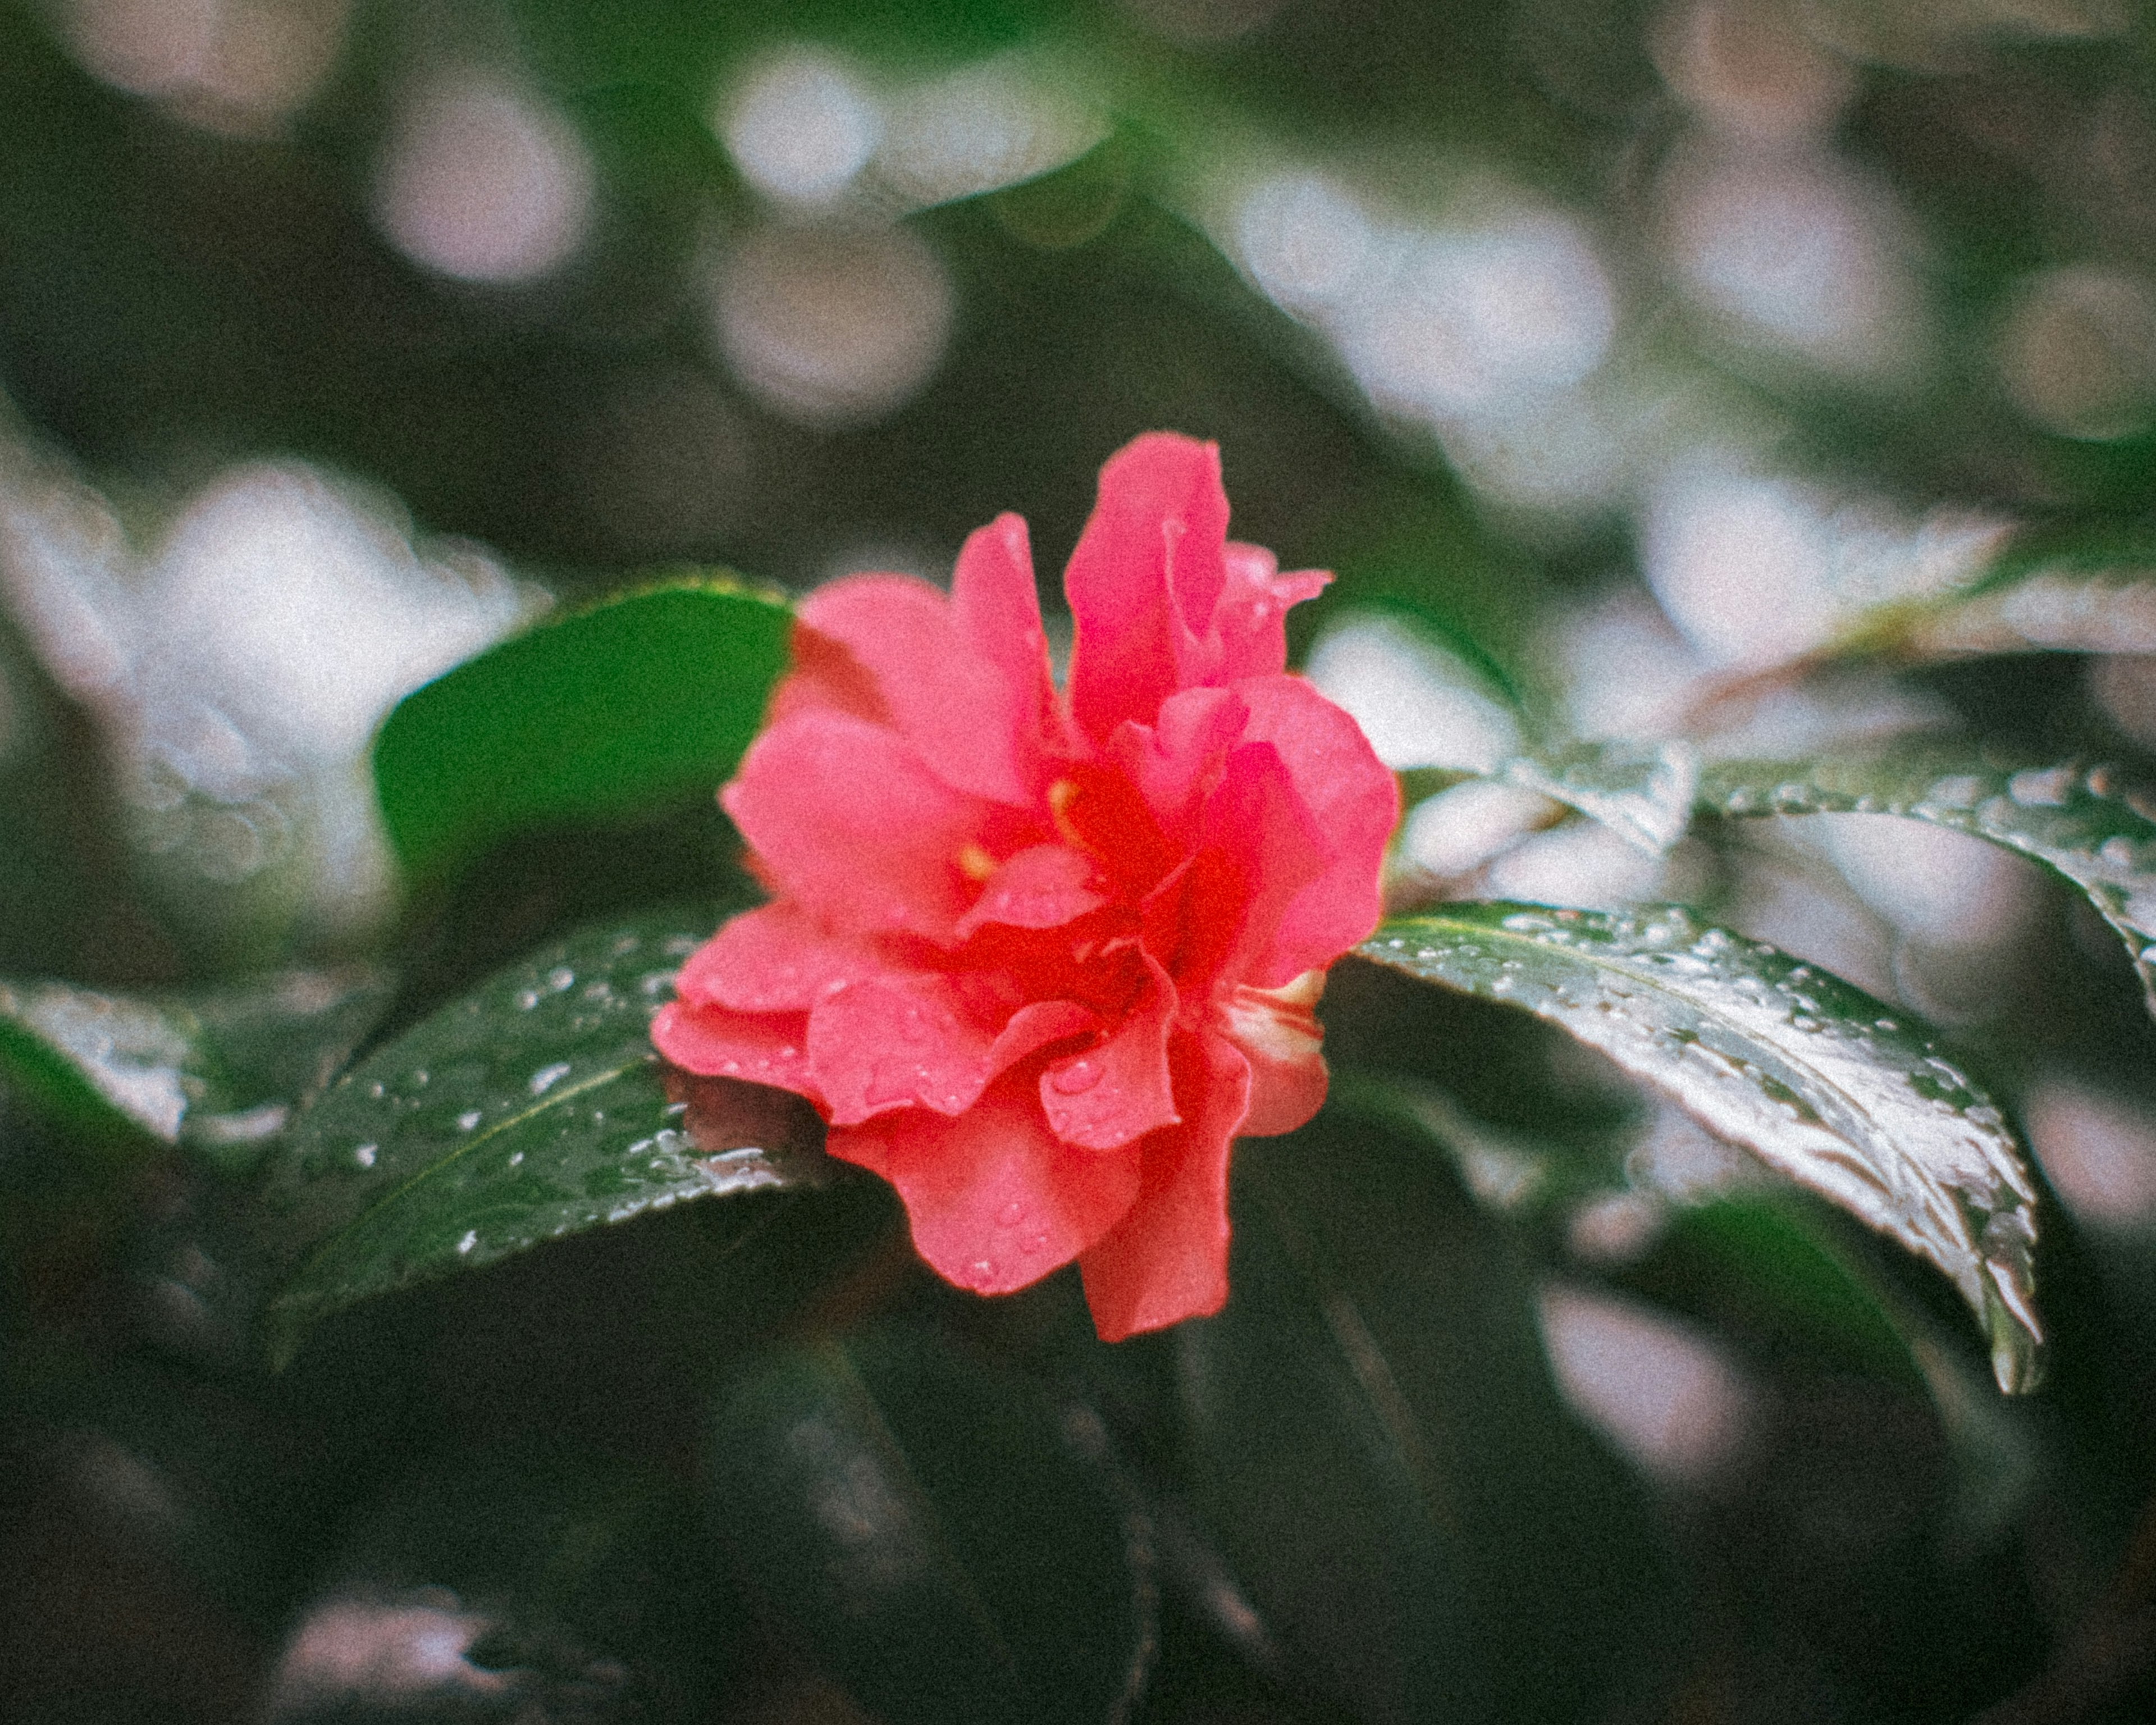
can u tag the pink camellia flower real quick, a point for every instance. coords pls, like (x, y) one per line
(1038, 961)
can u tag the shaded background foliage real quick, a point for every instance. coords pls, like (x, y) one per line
(1712, 381)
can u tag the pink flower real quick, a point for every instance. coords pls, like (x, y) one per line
(1037, 963)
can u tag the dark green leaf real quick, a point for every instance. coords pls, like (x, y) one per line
(221, 1070)
(1379, 1449)
(1814, 1076)
(648, 698)
(532, 1107)
(2082, 825)
(1775, 1272)
(928, 1529)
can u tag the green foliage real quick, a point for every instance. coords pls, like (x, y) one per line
(529, 1108)
(896, 1500)
(646, 699)
(1374, 1433)
(1808, 1073)
(221, 1070)
(2085, 825)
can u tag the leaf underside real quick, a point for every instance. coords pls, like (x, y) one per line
(1819, 1080)
(531, 1108)
(2083, 825)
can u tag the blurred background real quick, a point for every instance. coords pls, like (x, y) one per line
(1622, 357)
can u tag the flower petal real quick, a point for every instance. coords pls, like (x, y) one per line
(996, 1200)
(1042, 886)
(1167, 1259)
(1350, 798)
(770, 959)
(1258, 849)
(1145, 579)
(1119, 1090)
(1247, 626)
(896, 1040)
(997, 607)
(1277, 1032)
(847, 820)
(714, 1043)
(953, 703)
(1177, 760)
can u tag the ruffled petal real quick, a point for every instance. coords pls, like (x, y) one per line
(1145, 579)
(1177, 760)
(845, 819)
(1248, 632)
(1350, 798)
(1120, 1089)
(954, 704)
(997, 607)
(1258, 849)
(757, 1049)
(1167, 1259)
(1042, 886)
(898, 1040)
(1277, 1032)
(995, 1199)
(770, 959)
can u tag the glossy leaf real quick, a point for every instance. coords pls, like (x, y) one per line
(1814, 1076)
(531, 1107)
(934, 1533)
(1377, 1445)
(647, 698)
(221, 1070)
(2084, 825)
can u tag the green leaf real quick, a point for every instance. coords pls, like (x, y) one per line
(648, 697)
(2047, 590)
(220, 1070)
(1812, 1076)
(531, 1107)
(1377, 1446)
(1641, 793)
(934, 1533)
(2084, 825)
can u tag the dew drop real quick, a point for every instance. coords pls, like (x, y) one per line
(561, 977)
(365, 1155)
(469, 1241)
(526, 998)
(982, 1270)
(1010, 1215)
(547, 1077)
(469, 1119)
(1034, 1244)
(514, 1157)
(1075, 1079)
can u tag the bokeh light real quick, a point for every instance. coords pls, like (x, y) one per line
(831, 325)
(482, 181)
(800, 127)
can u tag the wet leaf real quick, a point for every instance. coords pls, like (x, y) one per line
(529, 1108)
(646, 699)
(937, 1535)
(1815, 1077)
(1376, 1444)
(2074, 592)
(2085, 825)
(1641, 793)
(221, 1070)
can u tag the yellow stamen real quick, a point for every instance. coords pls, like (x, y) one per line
(975, 864)
(1060, 796)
